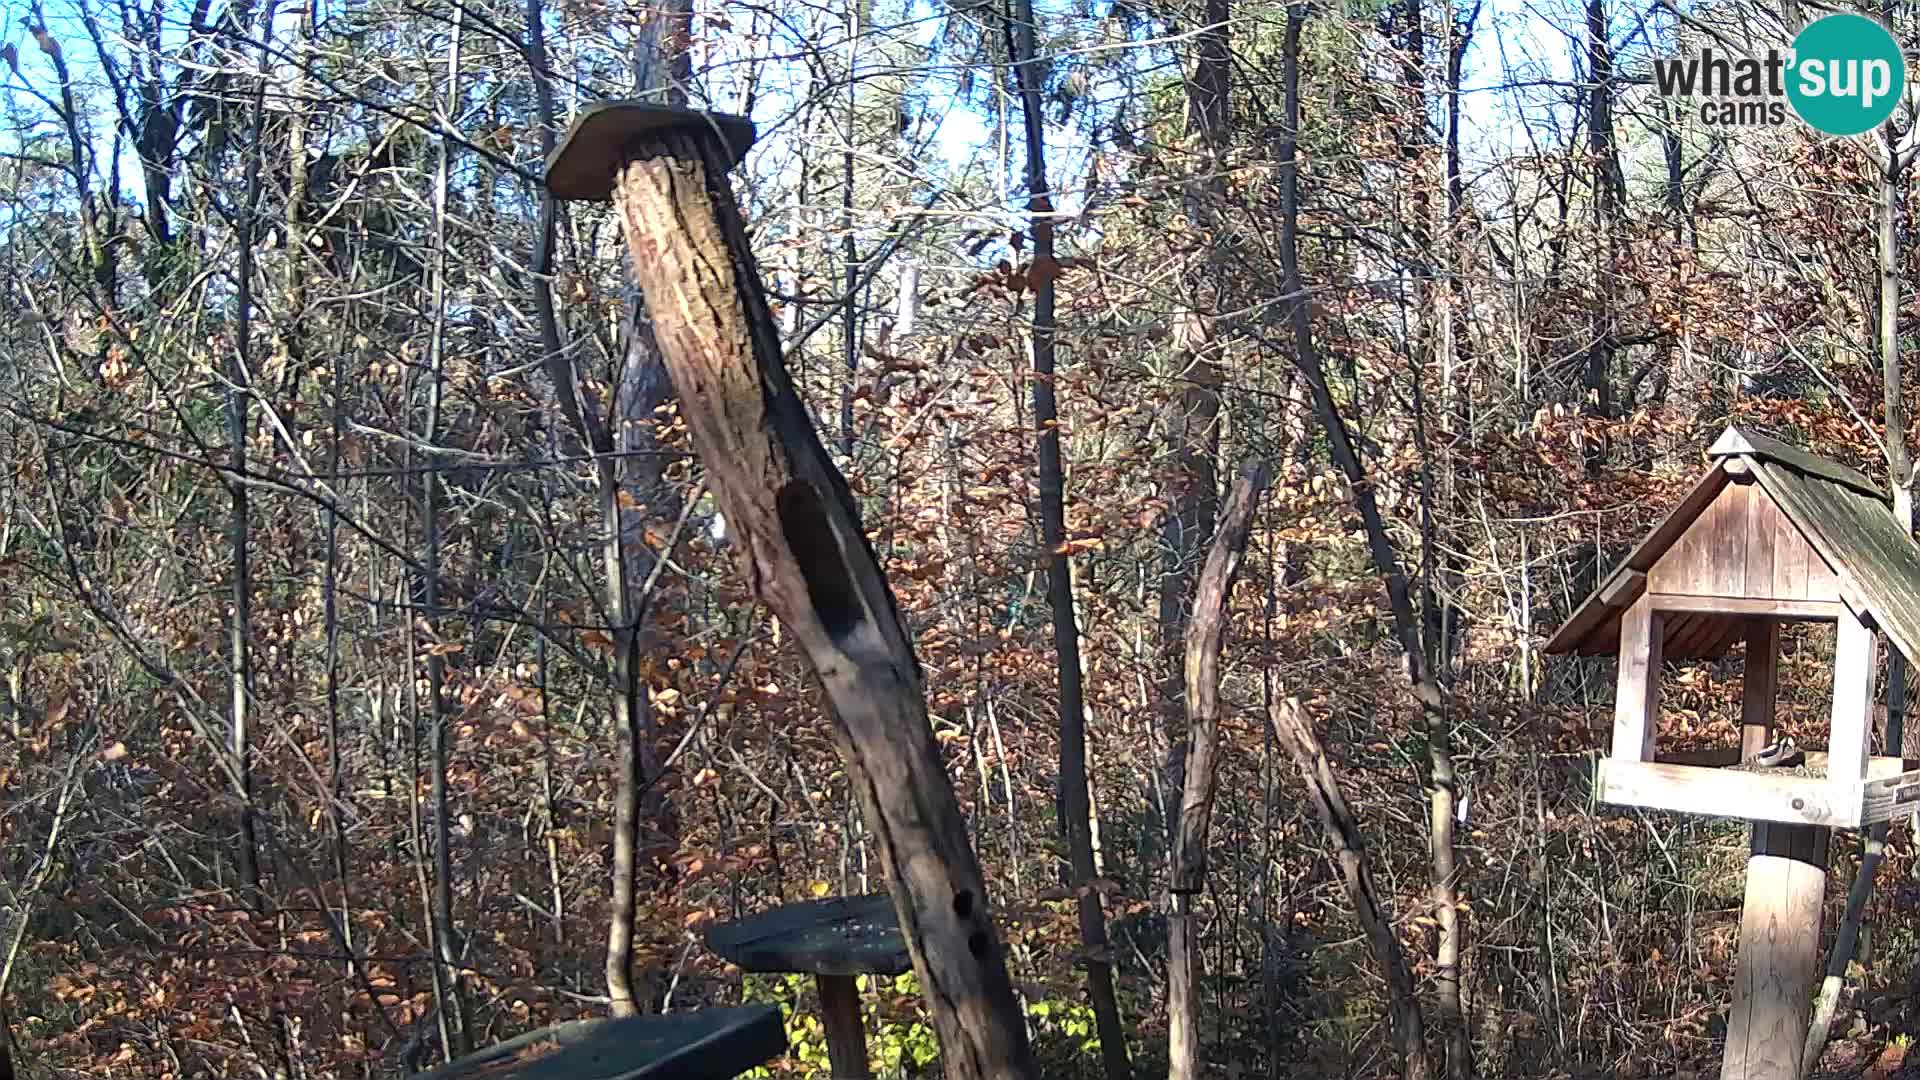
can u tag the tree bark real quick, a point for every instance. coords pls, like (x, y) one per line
(797, 531)
(239, 426)
(1193, 431)
(662, 71)
(1445, 608)
(1206, 632)
(577, 406)
(628, 459)
(1900, 471)
(631, 707)
(445, 943)
(1600, 149)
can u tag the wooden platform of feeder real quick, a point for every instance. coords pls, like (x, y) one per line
(706, 1044)
(1801, 794)
(835, 940)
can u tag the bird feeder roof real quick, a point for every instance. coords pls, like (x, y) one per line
(1832, 519)
(583, 165)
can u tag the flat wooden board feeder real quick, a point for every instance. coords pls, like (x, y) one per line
(834, 940)
(1772, 534)
(841, 935)
(583, 165)
(707, 1044)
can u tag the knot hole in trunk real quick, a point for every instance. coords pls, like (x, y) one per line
(809, 535)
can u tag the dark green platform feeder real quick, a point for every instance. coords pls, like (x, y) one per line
(834, 940)
(708, 1044)
(583, 165)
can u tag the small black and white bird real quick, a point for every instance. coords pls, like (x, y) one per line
(1781, 751)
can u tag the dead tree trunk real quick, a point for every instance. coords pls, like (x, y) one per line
(1349, 847)
(1206, 631)
(798, 534)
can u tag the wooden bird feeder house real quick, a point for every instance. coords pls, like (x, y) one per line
(1771, 534)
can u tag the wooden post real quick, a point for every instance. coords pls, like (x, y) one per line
(1780, 918)
(1759, 683)
(1779, 952)
(797, 533)
(1636, 704)
(1853, 679)
(846, 1035)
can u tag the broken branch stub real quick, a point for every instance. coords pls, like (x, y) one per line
(799, 537)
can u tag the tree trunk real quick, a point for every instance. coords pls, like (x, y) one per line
(632, 488)
(1457, 424)
(1428, 697)
(1598, 405)
(1193, 432)
(1900, 472)
(662, 71)
(1206, 632)
(798, 533)
(240, 369)
(1074, 802)
(1295, 733)
(849, 256)
(445, 944)
(632, 705)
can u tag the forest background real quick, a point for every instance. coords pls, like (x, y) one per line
(378, 682)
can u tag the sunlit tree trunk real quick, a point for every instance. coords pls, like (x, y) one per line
(634, 492)
(445, 943)
(1206, 633)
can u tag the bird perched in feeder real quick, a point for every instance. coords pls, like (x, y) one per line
(1781, 751)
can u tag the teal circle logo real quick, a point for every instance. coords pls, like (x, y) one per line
(1847, 74)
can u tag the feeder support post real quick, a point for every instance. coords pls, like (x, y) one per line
(1780, 918)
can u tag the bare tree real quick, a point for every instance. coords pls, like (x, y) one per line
(1206, 632)
(240, 369)
(1075, 804)
(1429, 699)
